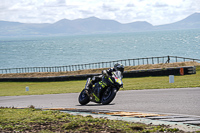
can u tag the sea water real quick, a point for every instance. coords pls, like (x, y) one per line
(18, 52)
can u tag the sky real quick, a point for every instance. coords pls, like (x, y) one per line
(156, 12)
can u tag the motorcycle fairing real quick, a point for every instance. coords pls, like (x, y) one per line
(96, 99)
(95, 94)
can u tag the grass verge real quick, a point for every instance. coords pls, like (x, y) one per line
(34, 120)
(40, 88)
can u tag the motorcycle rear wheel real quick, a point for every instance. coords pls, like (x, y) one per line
(83, 98)
(108, 96)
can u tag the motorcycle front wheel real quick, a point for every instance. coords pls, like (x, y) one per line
(108, 96)
(83, 98)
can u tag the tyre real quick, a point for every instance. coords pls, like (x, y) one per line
(83, 98)
(108, 96)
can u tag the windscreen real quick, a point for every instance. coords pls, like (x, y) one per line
(118, 74)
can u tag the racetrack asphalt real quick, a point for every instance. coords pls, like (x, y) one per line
(176, 100)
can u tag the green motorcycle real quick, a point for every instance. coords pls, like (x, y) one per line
(103, 91)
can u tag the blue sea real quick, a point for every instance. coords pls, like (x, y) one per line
(17, 52)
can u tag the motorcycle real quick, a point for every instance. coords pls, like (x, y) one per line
(103, 91)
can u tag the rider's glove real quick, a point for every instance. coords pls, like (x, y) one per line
(104, 72)
(122, 86)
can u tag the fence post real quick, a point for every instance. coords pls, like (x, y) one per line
(82, 66)
(152, 61)
(163, 60)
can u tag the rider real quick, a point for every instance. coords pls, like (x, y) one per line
(117, 67)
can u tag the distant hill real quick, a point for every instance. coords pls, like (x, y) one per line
(191, 22)
(91, 25)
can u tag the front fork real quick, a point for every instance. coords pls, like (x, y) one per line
(87, 82)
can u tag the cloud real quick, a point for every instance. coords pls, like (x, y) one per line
(130, 5)
(49, 11)
(57, 3)
(160, 5)
(109, 8)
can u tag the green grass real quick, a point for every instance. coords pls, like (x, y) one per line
(163, 82)
(39, 88)
(33, 120)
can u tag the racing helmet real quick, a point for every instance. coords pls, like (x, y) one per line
(119, 67)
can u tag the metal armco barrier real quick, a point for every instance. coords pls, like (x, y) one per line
(126, 62)
(127, 74)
